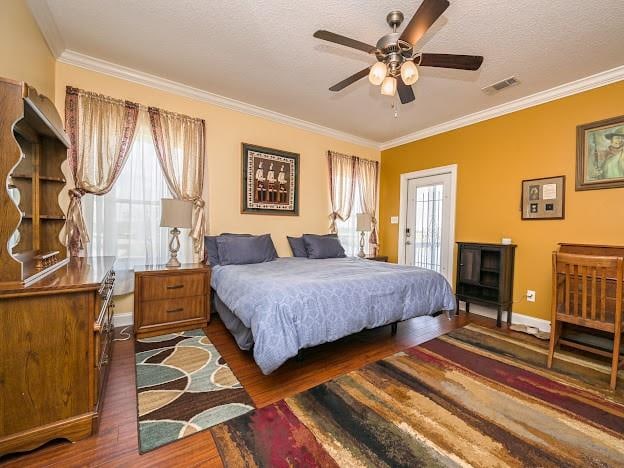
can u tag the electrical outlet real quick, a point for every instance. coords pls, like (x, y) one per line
(394, 220)
(530, 295)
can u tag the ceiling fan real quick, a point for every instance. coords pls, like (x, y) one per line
(397, 62)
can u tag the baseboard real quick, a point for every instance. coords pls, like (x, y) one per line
(123, 320)
(521, 319)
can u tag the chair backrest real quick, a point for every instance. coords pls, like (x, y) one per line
(587, 289)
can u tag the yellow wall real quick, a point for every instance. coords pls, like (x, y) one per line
(24, 54)
(225, 131)
(493, 157)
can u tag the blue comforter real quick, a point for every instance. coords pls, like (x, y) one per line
(294, 303)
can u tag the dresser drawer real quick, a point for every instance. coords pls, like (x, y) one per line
(172, 286)
(172, 310)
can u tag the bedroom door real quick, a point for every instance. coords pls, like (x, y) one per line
(427, 220)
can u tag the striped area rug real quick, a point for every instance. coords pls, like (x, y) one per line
(453, 401)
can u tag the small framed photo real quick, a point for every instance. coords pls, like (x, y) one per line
(543, 198)
(600, 154)
(270, 181)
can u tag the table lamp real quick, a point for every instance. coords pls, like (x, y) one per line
(175, 214)
(364, 222)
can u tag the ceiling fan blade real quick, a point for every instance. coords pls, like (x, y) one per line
(345, 41)
(460, 62)
(427, 14)
(406, 93)
(352, 79)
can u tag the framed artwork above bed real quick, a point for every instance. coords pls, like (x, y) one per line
(270, 181)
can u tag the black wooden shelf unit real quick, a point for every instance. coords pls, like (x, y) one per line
(485, 276)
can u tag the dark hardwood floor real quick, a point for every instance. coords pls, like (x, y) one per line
(115, 444)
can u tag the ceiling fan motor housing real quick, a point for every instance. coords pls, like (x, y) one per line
(392, 52)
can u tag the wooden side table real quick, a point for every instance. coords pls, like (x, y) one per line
(378, 258)
(168, 300)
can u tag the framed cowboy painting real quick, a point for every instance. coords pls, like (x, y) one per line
(600, 154)
(270, 181)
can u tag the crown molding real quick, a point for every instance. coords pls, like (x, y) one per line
(43, 16)
(44, 19)
(558, 92)
(129, 74)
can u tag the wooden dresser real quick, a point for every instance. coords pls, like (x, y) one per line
(169, 300)
(55, 347)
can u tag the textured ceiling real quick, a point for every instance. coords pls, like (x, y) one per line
(263, 52)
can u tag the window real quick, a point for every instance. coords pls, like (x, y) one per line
(125, 222)
(347, 233)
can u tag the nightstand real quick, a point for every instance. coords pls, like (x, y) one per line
(168, 300)
(378, 258)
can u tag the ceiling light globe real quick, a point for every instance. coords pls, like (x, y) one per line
(409, 73)
(389, 86)
(377, 73)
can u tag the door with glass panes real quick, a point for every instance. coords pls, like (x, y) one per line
(428, 223)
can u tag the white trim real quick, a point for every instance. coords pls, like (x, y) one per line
(558, 92)
(44, 19)
(77, 59)
(123, 319)
(521, 319)
(434, 171)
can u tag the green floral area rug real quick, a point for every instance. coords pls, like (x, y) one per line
(183, 386)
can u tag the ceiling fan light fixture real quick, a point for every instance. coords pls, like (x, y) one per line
(409, 72)
(389, 86)
(377, 73)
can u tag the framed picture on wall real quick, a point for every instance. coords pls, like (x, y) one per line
(543, 198)
(270, 181)
(600, 154)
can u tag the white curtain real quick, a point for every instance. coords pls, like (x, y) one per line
(346, 230)
(101, 131)
(353, 190)
(125, 222)
(366, 173)
(341, 186)
(180, 146)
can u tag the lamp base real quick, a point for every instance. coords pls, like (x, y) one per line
(361, 253)
(174, 246)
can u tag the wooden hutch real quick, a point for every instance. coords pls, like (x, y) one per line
(55, 312)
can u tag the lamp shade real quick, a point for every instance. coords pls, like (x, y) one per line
(389, 86)
(176, 213)
(377, 73)
(364, 222)
(409, 73)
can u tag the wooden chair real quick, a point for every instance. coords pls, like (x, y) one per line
(587, 291)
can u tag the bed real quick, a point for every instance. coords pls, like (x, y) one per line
(278, 308)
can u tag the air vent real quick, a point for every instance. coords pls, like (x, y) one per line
(500, 85)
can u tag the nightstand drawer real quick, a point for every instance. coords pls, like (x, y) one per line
(172, 310)
(172, 286)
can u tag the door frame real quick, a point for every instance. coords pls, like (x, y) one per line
(434, 171)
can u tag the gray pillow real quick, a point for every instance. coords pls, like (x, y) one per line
(297, 246)
(211, 254)
(327, 246)
(243, 250)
